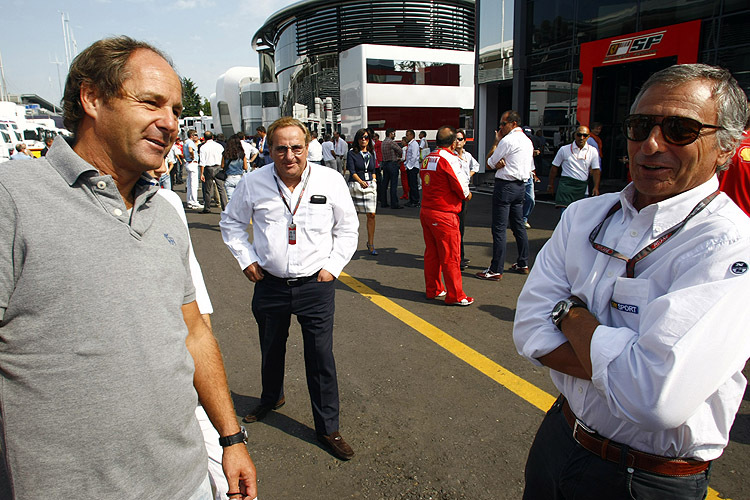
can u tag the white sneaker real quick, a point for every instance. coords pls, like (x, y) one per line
(467, 301)
(440, 295)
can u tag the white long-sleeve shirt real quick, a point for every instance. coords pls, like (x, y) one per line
(412, 155)
(518, 152)
(668, 356)
(327, 233)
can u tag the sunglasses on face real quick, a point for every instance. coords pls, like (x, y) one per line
(460, 139)
(676, 130)
(296, 149)
(578, 134)
(365, 137)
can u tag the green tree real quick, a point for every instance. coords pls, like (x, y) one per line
(206, 107)
(191, 100)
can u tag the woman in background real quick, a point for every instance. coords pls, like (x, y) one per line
(361, 163)
(234, 164)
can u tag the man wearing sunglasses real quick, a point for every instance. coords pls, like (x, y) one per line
(638, 304)
(577, 161)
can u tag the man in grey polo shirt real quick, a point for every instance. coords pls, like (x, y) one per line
(103, 351)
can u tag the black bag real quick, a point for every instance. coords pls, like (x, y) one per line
(221, 175)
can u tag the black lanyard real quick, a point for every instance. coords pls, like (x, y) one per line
(302, 193)
(630, 263)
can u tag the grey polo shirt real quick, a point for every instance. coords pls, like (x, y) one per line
(96, 382)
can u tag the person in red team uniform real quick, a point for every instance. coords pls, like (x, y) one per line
(444, 187)
(735, 181)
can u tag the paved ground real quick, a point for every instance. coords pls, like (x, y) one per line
(424, 424)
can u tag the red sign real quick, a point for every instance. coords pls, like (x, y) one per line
(679, 40)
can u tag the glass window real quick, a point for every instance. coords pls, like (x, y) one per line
(267, 72)
(597, 19)
(737, 61)
(406, 118)
(734, 6)
(552, 61)
(412, 72)
(270, 99)
(551, 24)
(657, 13)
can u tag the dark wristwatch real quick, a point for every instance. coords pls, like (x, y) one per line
(240, 437)
(562, 309)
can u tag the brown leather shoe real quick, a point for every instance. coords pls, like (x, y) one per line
(260, 411)
(337, 445)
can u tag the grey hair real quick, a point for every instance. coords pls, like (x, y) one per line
(731, 101)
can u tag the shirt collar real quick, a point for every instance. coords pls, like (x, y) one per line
(68, 164)
(672, 211)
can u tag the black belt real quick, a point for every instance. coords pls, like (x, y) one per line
(291, 282)
(613, 452)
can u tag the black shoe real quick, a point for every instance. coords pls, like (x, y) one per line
(337, 446)
(206, 211)
(260, 411)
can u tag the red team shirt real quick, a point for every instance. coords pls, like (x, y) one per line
(735, 181)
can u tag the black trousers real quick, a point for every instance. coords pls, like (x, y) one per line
(313, 304)
(558, 468)
(390, 182)
(413, 176)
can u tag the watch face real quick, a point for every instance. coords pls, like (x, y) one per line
(559, 310)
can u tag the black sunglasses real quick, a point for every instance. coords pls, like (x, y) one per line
(677, 130)
(460, 138)
(578, 134)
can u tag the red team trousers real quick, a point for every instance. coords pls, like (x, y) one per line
(442, 240)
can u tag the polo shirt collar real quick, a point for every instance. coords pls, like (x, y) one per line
(68, 164)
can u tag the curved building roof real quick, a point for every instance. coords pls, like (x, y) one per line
(330, 26)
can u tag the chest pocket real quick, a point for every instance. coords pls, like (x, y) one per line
(319, 217)
(629, 298)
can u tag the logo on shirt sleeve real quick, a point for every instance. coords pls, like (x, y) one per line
(739, 268)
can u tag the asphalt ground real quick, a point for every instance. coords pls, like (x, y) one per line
(435, 400)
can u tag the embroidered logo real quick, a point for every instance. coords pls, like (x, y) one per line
(169, 239)
(739, 268)
(628, 308)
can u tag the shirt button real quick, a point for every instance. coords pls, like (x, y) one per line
(101, 185)
(610, 274)
(633, 233)
(580, 390)
(117, 212)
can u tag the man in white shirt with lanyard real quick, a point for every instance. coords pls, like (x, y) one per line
(305, 230)
(638, 304)
(513, 158)
(576, 160)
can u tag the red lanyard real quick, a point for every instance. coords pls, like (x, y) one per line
(630, 263)
(302, 193)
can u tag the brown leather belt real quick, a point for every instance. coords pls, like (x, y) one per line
(612, 451)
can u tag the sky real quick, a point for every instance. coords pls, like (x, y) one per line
(204, 38)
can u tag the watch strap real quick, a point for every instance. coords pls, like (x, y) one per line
(240, 437)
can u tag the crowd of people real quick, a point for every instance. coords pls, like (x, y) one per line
(636, 303)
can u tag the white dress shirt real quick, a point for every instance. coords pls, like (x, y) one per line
(315, 151)
(575, 162)
(412, 155)
(518, 152)
(211, 152)
(668, 356)
(327, 150)
(468, 163)
(327, 233)
(249, 149)
(341, 147)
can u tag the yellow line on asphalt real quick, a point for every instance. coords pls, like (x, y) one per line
(518, 386)
(507, 379)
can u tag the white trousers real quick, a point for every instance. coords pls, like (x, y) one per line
(192, 183)
(215, 452)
